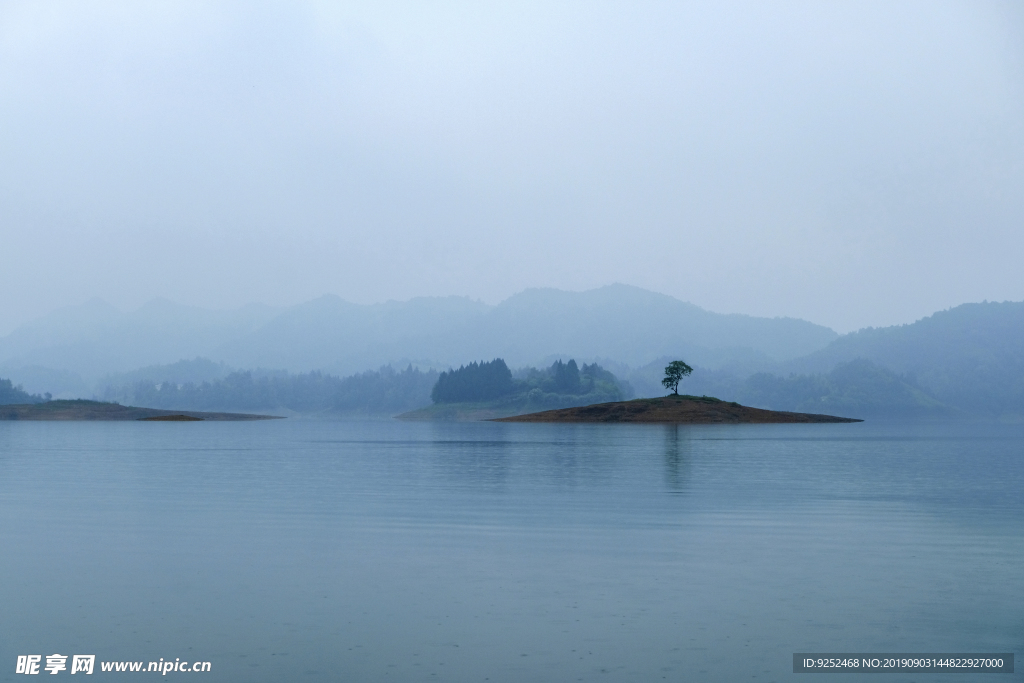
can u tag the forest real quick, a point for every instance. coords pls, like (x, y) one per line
(383, 391)
(560, 385)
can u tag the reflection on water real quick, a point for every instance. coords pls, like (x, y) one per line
(677, 448)
(508, 552)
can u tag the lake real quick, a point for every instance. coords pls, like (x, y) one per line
(395, 551)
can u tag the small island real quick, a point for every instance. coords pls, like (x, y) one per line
(566, 393)
(112, 412)
(673, 409)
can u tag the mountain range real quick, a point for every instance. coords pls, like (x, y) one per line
(967, 360)
(82, 344)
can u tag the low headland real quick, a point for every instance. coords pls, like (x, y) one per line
(113, 412)
(673, 409)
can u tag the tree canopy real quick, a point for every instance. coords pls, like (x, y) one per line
(473, 382)
(674, 373)
(10, 394)
(560, 385)
(384, 391)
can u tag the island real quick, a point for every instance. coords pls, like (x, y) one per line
(99, 411)
(673, 409)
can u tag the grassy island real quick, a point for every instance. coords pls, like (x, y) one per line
(673, 409)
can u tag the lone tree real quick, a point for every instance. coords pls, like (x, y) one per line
(674, 373)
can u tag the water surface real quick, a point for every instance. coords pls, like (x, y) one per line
(390, 551)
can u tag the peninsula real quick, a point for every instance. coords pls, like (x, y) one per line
(673, 409)
(98, 411)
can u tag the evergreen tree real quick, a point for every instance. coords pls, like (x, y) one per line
(473, 382)
(565, 377)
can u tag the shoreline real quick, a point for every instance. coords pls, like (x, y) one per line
(80, 410)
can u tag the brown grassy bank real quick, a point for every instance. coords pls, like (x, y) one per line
(674, 409)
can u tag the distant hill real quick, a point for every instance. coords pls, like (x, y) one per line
(619, 322)
(88, 341)
(856, 388)
(624, 323)
(970, 357)
(195, 371)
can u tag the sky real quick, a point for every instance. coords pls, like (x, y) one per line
(853, 164)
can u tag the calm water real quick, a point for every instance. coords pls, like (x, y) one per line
(388, 551)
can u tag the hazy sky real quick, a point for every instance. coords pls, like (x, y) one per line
(849, 163)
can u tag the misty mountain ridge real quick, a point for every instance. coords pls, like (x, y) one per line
(628, 324)
(194, 371)
(964, 360)
(970, 355)
(625, 323)
(95, 338)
